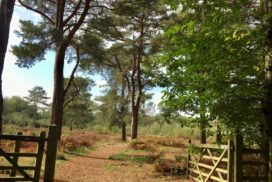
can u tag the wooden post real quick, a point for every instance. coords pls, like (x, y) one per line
(270, 161)
(16, 150)
(230, 161)
(238, 157)
(51, 154)
(39, 157)
(188, 159)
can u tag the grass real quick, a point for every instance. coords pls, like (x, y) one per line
(110, 167)
(81, 150)
(171, 130)
(133, 158)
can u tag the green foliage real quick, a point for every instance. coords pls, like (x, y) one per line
(213, 68)
(37, 100)
(194, 150)
(78, 104)
(34, 44)
(17, 111)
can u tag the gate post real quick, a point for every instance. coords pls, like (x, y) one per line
(51, 154)
(188, 159)
(270, 161)
(16, 150)
(230, 160)
(238, 157)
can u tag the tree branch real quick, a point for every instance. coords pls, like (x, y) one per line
(73, 72)
(37, 11)
(73, 13)
(80, 21)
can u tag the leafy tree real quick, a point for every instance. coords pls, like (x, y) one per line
(6, 11)
(37, 99)
(212, 69)
(113, 105)
(17, 111)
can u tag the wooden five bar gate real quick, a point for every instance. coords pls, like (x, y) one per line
(228, 163)
(21, 172)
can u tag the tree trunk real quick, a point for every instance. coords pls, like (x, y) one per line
(134, 122)
(202, 132)
(203, 119)
(266, 127)
(266, 123)
(136, 85)
(58, 94)
(122, 111)
(218, 134)
(124, 134)
(6, 11)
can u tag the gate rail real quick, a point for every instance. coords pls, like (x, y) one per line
(13, 157)
(229, 163)
(209, 164)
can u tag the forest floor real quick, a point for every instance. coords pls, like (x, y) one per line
(96, 166)
(86, 156)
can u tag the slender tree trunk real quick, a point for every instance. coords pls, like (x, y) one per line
(203, 119)
(218, 134)
(200, 92)
(202, 132)
(122, 113)
(6, 11)
(124, 133)
(136, 97)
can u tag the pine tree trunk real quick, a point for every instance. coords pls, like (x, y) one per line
(6, 11)
(134, 122)
(58, 94)
(122, 113)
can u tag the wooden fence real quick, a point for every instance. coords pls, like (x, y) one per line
(250, 164)
(208, 162)
(22, 172)
(227, 163)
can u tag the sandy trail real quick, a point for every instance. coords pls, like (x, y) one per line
(96, 167)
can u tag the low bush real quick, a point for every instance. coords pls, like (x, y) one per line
(77, 140)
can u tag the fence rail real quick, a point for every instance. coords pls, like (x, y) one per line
(12, 158)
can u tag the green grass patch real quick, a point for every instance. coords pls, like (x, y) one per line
(133, 158)
(110, 167)
(80, 151)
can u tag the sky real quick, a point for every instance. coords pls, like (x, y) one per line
(17, 81)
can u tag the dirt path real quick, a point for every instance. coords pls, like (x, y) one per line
(96, 167)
